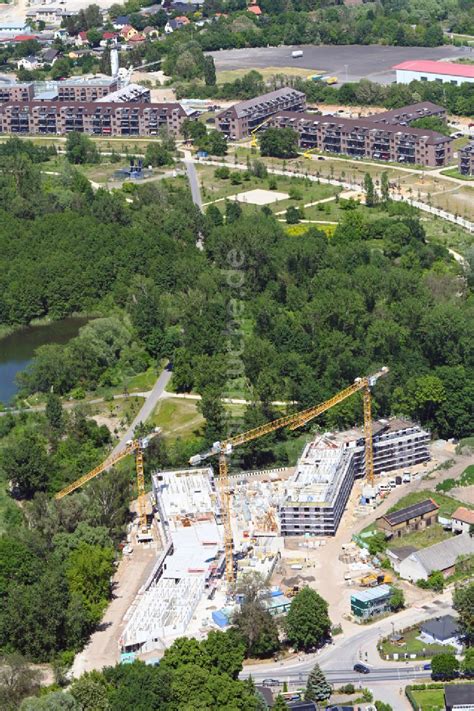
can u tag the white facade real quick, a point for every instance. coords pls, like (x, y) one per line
(405, 76)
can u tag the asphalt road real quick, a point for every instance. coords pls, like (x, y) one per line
(146, 409)
(337, 659)
(193, 179)
(347, 62)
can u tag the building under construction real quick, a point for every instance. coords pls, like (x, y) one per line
(317, 494)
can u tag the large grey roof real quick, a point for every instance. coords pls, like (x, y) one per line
(442, 628)
(443, 555)
(265, 102)
(459, 694)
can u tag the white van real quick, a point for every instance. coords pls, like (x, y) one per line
(384, 487)
(392, 483)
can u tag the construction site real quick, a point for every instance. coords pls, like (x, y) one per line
(208, 526)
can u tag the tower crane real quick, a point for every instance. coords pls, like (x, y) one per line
(224, 449)
(253, 133)
(133, 446)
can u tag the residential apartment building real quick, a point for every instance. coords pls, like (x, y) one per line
(131, 94)
(466, 159)
(86, 90)
(17, 92)
(367, 138)
(397, 443)
(241, 119)
(100, 119)
(317, 494)
(406, 114)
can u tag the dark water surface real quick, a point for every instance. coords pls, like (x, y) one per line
(17, 350)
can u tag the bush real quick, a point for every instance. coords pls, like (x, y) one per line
(223, 173)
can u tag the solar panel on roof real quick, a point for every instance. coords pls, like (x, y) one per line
(411, 511)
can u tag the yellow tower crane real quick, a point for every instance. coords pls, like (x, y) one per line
(253, 133)
(133, 446)
(224, 449)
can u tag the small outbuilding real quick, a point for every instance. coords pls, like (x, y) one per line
(462, 520)
(411, 518)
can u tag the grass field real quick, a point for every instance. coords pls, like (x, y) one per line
(445, 233)
(429, 699)
(267, 73)
(428, 537)
(412, 645)
(213, 188)
(142, 382)
(447, 504)
(454, 173)
(177, 418)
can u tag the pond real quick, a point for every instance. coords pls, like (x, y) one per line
(17, 349)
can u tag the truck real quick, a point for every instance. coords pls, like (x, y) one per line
(297, 53)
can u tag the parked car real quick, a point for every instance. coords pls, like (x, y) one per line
(270, 682)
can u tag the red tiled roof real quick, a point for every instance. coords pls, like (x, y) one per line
(109, 35)
(254, 9)
(137, 38)
(24, 38)
(432, 67)
(463, 514)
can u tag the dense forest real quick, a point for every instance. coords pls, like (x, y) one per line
(293, 318)
(317, 311)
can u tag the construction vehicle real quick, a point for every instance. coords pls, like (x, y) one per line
(224, 449)
(324, 78)
(132, 446)
(253, 133)
(374, 579)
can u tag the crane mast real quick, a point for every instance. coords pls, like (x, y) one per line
(135, 446)
(224, 449)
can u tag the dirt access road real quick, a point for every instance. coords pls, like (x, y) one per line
(132, 572)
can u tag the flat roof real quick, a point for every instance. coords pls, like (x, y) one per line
(319, 474)
(185, 492)
(431, 67)
(372, 593)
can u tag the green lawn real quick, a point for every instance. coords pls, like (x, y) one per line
(428, 537)
(447, 504)
(177, 418)
(454, 173)
(412, 645)
(429, 699)
(213, 188)
(142, 382)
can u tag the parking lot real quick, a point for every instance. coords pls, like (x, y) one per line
(348, 63)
